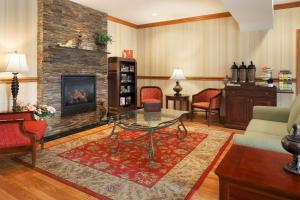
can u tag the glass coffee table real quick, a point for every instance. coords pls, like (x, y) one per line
(149, 123)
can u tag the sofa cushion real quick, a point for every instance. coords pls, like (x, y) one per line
(260, 141)
(267, 127)
(294, 113)
(38, 127)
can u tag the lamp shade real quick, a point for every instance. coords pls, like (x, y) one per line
(178, 74)
(16, 63)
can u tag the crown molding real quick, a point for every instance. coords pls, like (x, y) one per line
(287, 5)
(121, 21)
(185, 20)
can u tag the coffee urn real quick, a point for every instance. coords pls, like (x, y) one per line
(251, 73)
(243, 73)
(234, 73)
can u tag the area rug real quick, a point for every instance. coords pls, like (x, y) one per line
(178, 170)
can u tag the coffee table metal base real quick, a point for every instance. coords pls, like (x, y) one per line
(113, 141)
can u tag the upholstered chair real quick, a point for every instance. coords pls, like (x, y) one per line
(209, 101)
(151, 94)
(20, 132)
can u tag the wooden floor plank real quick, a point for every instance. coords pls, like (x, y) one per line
(18, 182)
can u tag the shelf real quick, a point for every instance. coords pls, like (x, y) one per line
(127, 94)
(126, 83)
(127, 72)
(285, 91)
(86, 50)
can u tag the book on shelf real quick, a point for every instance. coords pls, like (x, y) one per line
(285, 80)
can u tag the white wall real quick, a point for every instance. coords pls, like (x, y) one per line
(18, 32)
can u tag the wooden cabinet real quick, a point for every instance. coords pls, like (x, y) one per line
(122, 85)
(239, 102)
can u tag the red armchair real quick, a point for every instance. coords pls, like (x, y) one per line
(19, 133)
(151, 94)
(208, 100)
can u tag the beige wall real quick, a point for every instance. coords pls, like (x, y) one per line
(208, 48)
(18, 25)
(124, 37)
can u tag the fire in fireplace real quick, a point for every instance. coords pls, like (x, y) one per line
(78, 94)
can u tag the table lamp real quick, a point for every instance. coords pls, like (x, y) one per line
(16, 63)
(177, 75)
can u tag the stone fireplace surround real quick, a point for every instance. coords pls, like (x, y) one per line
(60, 21)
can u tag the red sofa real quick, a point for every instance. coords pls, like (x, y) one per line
(20, 132)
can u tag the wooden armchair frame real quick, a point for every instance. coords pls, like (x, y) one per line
(210, 110)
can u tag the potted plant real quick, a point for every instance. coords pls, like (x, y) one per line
(102, 39)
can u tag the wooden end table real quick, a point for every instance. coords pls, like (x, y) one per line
(248, 173)
(181, 99)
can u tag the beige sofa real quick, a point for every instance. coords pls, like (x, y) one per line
(268, 126)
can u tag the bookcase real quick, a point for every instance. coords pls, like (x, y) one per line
(122, 85)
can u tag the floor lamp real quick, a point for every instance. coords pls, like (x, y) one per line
(16, 63)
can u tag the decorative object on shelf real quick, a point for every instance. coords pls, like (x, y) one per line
(285, 80)
(102, 39)
(234, 73)
(40, 111)
(291, 143)
(243, 73)
(72, 43)
(16, 63)
(103, 110)
(226, 80)
(79, 40)
(267, 76)
(177, 75)
(127, 53)
(251, 73)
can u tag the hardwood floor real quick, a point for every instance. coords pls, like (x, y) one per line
(18, 182)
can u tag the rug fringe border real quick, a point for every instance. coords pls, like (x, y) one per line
(208, 169)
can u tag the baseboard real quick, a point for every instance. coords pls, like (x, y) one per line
(73, 131)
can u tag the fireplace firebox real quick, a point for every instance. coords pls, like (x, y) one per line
(78, 94)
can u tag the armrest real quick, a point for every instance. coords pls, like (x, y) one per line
(20, 126)
(271, 113)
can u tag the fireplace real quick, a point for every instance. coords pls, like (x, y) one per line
(78, 94)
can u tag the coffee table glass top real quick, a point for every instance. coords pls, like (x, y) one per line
(139, 119)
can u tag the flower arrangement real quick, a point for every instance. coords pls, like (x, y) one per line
(40, 111)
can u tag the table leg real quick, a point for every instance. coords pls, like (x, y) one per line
(181, 125)
(112, 141)
(151, 145)
(180, 105)
(167, 101)
(174, 106)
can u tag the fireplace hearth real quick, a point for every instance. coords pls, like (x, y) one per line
(78, 94)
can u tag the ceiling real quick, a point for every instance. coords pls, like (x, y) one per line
(148, 11)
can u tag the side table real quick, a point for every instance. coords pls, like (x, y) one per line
(248, 173)
(181, 99)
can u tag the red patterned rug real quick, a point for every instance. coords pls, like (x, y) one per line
(132, 162)
(177, 172)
